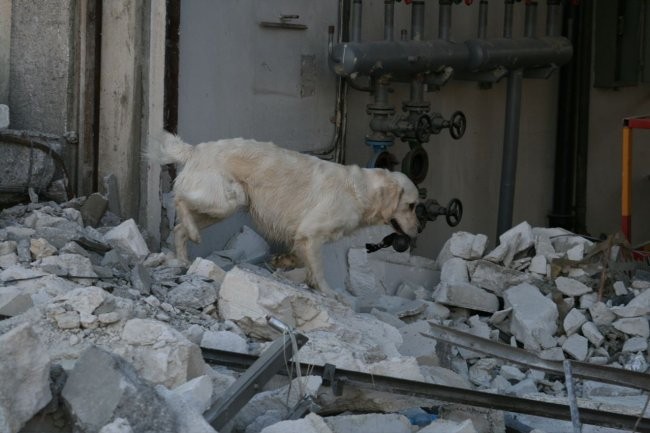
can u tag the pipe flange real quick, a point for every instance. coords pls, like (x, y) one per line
(416, 164)
(383, 159)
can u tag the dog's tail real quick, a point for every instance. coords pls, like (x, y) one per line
(167, 148)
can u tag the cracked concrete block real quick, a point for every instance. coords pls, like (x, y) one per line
(619, 288)
(250, 246)
(40, 248)
(454, 270)
(188, 419)
(224, 340)
(128, 240)
(592, 333)
(369, 423)
(601, 314)
(195, 294)
(636, 326)
(445, 426)
(102, 387)
(511, 372)
(68, 320)
(159, 353)
(571, 287)
(83, 299)
(119, 425)
(576, 346)
(467, 246)
(207, 269)
(197, 392)
(576, 253)
(312, 423)
(141, 279)
(552, 354)
(544, 247)
(533, 318)
(68, 265)
(8, 260)
(629, 311)
(247, 296)
(466, 296)
(517, 239)
(24, 375)
(495, 278)
(7, 247)
(14, 302)
(538, 265)
(635, 344)
(573, 321)
(481, 372)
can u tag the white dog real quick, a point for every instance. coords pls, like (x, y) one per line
(296, 199)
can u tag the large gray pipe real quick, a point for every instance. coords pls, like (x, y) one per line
(355, 31)
(389, 19)
(417, 20)
(444, 19)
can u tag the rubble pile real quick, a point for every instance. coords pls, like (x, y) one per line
(99, 334)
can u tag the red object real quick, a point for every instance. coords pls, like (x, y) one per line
(637, 122)
(408, 2)
(626, 226)
(469, 2)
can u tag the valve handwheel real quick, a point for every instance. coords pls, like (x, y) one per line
(454, 212)
(457, 125)
(423, 128)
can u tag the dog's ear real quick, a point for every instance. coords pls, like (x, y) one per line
(382, 196)
(390, 195)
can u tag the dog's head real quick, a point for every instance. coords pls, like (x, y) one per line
(395, 202)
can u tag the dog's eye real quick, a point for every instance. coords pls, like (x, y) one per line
(411, 206)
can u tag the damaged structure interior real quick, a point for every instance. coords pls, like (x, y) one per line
(522, 305)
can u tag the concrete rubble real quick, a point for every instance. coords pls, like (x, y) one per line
(100, 334)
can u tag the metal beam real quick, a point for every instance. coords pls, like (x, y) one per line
(583, 370)
(447, 393)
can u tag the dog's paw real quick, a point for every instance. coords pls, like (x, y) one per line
(285, 261)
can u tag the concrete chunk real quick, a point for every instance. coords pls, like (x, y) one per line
(312, 423)
(571, 287)
(637, 326)
(68, 265)
(467, 246)
(467, 296)
(195, 294)
(591, 332)
(496, 278)
(573, 321)
(454, 271)
(128, 240)
(102, 387)
(24, 377)
(224, 340)
(445, 426)
(601, 314)
(369, 423)
(4, 116)
(576, 346)
(635, 344)
(533, 317)
(207, 269)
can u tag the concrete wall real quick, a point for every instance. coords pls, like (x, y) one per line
(42, 64)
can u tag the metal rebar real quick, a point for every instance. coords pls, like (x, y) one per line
(571, 396)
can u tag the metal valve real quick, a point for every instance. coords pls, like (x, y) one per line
(427, 124)
(431, 209)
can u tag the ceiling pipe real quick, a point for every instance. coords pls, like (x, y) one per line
(444, 20)
(482, 19)
(355, 31)
(389, 19)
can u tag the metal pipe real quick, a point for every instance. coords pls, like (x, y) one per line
(487, 54)
(510, 145)
(444, 20)
(389, 19)
(482, 19)
(355, 34)
(553, 14)
(417, 20)
(530, 21)
(507, 19)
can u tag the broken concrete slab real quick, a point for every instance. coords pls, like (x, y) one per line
(454, 270)
(102, 387)
(416, 345)
(14, 302)
(194, 293)
(446, 426)
(576, 346)
(533, 317)
(312, 423)
(128, 240)
(68, 265)
(197, 392)
(467, 296)
(601, 314)
(496, 278)
(592, 333)
(159, 353)
(40, 248)
(369, 423)
(467, 245)
(93, 209)
(24, 375)
(571, 287)
(573, 321)
(635, 344)
(224, 340)
(188, 418)
(119, 425)
(206, 269)
(636, 326)
(141, 279)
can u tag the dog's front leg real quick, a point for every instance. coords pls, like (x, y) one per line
(309, 251)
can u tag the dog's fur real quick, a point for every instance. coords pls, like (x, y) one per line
(294, 198)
